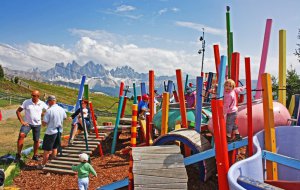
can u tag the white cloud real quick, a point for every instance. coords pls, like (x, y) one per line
(125, 8)
(199, 27)
(165, 10)
(162, 11)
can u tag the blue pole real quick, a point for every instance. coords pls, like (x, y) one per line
(199, 86)
(221, 79)
(79, 97)
(113, 147)
(208, 86)
(134, 94)
(143, 88)
(170, 86)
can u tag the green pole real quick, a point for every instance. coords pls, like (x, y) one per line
(113, 147)
(86, 92)
(134, 94)
(230, 52)
(228, 39)
(186, 82)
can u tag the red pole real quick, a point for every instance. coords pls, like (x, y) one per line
(217, 58)
(181, 99)
(219, 146)
(139, 98)
(124, 107)
(151, 94)
(121, 89)
(130, 174)
(95, 128)
(147, 130)
(175, 96)
(249, 106)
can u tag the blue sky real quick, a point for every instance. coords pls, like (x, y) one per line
(145, 34)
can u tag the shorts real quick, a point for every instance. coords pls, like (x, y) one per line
(231, 122)
(87, 123)
(36, 129)
(51, 142)
(83, 183)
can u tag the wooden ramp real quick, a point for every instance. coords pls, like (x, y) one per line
(158, 167)
(63, 162)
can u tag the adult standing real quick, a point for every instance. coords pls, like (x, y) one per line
(32, 121)
(54, 118)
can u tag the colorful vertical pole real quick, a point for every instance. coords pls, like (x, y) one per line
(235, 65)
(79, 97)
(229, 50)
(130, 174)
(282, 67)
(86, 92)
(151, 94)
(263, 59)
(165, 113)
(114, 143)
(217, 58)
(121, 89)
(175, 96)
(135, 101)
(143, 88)
(134, 125)
(221, 79)
(270, 136)
(186, 82)
(199, 88)
(124, 106)
(249, 106)
(96, 129)
(170, 86)
(147, 130)
(181, 99)
(220, 144)
(84, 129)
(208, 85)
(292, 105)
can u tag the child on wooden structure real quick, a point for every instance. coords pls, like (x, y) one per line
(83, 170)
(143, 107)
(230, 109)
(190, 98)
(78, 123)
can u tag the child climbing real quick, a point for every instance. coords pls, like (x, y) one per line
(84, 169)
(143, 106)
(230, 109)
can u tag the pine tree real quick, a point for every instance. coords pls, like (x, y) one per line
(1, 72)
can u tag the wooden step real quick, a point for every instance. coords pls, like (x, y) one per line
(58, 170)
(94, 134)
(51, 165)
(65, 162)
(67, 158)
(69, 155)
(78, 148)
(83, 142)
(77, 151)
(89, 139)
(83, 145)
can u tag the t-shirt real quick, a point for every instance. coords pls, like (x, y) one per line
(84, 169)
(229, 100)
(190, 100)
(54, 117)
(33, 112)
(142, 105)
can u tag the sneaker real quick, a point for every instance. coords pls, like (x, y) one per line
(40, 167)
(237, 137)
(18, 158)
(35, 157)
(71, 141)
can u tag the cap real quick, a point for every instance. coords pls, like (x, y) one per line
(145, 97)
(51, 97)
(83, 157)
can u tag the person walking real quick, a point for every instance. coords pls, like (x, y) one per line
(33, 108)
(54, 118)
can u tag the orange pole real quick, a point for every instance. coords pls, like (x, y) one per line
(151, 94)
(130, 174)
(133, 125)
(181, 99)
(165, 114)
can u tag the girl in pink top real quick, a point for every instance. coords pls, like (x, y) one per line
(230, 109)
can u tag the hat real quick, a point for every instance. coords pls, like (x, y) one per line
(145, 97)
(188, 90)
(51, 97)
(83, 157)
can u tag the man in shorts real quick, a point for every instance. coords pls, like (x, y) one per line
(54, 118)
(32, 121)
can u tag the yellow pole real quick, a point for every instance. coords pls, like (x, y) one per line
(270, 138)
(282, 67)
(292, 105)
(165, 114)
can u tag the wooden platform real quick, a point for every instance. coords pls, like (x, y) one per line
(158, 167)
(63, 162)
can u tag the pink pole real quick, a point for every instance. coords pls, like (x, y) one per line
(264, 55)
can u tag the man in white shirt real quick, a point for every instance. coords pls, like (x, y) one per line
(53, 118)
(32, 121)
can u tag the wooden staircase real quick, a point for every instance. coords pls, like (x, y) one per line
(69, 156)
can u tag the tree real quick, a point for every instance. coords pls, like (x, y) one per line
(297, 50)
(16, 80)
(1, 72)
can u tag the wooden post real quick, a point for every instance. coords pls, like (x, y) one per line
(130, 174)
(249, 105)
(135, 101)
(165, 114)
(282, 67)
(134, 125)
(114, 143)
(199, 88)
(221, 79)
(124, 106)
(95, 128)
(151, 95)
(263, 59)
(143, 89)
(181, 99)
(270, 138)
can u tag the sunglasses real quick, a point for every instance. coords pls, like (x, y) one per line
(35, 95)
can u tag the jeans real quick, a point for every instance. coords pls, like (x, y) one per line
(83, 183)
